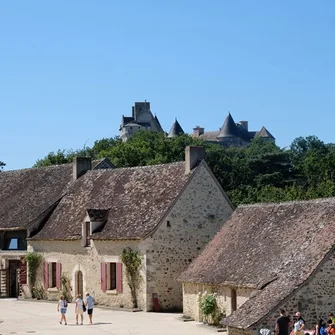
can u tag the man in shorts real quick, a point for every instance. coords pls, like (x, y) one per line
(90, 305)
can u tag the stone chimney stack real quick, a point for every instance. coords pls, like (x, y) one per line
(197, 131)
(80, 166)
(244, 125)
(193, 156)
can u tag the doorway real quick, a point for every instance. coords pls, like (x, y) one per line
(13, 268)
(79, 283)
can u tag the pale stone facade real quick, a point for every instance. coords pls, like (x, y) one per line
(191, 293)
(192, 221)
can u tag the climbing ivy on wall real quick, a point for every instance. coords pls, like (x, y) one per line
(34, 260)
(132, 261)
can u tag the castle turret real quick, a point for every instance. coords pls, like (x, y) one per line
(229, 128)
(176, 130)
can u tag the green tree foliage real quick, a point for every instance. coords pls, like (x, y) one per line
(2, 164)
(261, 172)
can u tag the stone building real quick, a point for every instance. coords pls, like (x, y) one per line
(232, 134)
(167, 213)
(267, 257)
(141, 119)
(27, 199)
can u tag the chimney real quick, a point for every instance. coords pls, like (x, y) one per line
(244, 124)
(197, 131)
(193, 156)
(80, 166)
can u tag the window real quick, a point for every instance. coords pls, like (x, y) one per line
(87, 234)
(111, 277)
(13, 244)
(52, 275)
(233, 300)
(168, 224)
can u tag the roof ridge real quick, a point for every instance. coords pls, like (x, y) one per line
(139, 167)
(287, 203)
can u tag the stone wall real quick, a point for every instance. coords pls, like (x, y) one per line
(192, 291)
(193, 221)
(74, 257)
(315, 299)
(239, 331)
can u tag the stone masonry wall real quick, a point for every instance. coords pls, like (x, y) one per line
(74, 257)
(191, 296)
(315, 299)
(239, 331)
(192, 222)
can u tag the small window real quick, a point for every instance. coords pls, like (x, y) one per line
(52, 274)
(111, 276)
(168, 224)
(87, 234)
(233, 300)
(13, 244)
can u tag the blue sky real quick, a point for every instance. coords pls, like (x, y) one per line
(70, 69)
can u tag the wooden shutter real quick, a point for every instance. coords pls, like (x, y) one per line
(119, 277)
(59, 275)
(103, 277)
(46, 275)
(23, 273)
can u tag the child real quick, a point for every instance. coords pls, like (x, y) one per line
(79, 309)
(62, 306)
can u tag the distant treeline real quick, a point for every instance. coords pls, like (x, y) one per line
(261, 172)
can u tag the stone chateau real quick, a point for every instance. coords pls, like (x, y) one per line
(230, 134)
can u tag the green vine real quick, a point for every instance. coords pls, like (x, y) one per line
(209, 308)
(132, 262)
(66, 289)
(34, 260)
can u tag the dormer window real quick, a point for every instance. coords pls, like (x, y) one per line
(13, 244)
(94, 223)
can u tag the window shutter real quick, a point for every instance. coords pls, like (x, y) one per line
(23, 273)
(46, 275)
(119, 277)
(103, 277)
(59, 275)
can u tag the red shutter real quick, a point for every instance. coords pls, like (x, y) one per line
(103, 277)
(23, 273)
(119, 277)
(46, 275)
(58, 275)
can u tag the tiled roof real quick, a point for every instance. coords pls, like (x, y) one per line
(273, 248)
(25, 194)
(264, 133)
(210, 135)
(136, 199)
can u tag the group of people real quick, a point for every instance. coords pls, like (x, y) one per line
(80, 307)
(283, 324)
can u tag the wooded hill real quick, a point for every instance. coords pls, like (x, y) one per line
(261, 172)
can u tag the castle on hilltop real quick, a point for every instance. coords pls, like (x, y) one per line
(230, 134)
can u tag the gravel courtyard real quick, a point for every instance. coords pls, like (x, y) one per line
(27, 317)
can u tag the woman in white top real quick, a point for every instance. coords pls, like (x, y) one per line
(62, 306)
(299, 325)
(79, 309)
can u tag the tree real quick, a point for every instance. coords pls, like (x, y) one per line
(2, 164)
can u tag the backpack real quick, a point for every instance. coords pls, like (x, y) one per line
(323, 331)
(65, 303)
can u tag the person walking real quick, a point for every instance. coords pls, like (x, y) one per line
(90, 306)
(62, 307)
(79, 310)
(299, 325)
(282, 323)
